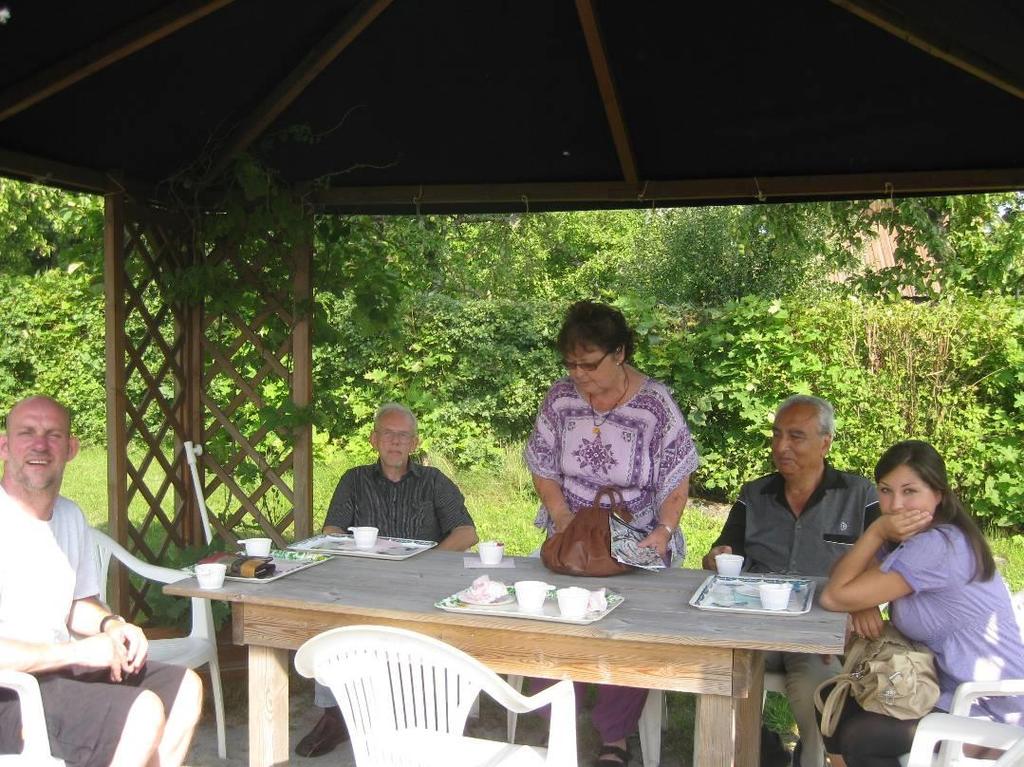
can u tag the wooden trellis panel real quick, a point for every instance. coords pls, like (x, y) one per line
(216, 377)
(148, 401)
(255, 387)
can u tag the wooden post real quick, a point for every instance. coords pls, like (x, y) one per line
(302, 383)
(748, 694)
(117, 436)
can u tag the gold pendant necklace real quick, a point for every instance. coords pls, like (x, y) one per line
(593, 413)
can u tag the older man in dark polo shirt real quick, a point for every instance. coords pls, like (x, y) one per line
(800, 519)
(403, 500)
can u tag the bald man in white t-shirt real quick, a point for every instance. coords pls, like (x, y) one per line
(137, 712)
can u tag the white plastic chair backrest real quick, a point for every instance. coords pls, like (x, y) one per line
(36, 741)
(107, 547)
(392, 682)
(388, 679)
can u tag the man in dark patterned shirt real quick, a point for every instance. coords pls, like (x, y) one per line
(403, 500)
(800, 519)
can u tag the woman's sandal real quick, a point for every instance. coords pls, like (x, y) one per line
(621, 753)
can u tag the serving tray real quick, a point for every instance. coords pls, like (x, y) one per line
(743, 589)
(550, 612)
(345, 546)
(285, 563)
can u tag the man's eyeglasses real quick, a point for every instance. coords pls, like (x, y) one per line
(396, 436)
(590, 367)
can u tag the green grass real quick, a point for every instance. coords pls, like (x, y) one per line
(85, 482)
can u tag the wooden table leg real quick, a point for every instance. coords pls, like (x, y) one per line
(714, 739)
(268, 706)
(748, 716)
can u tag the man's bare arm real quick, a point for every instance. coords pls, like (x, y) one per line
(97, 651)
(88, 615)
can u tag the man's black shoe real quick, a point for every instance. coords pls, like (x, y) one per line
(773, 753)
(325, 735)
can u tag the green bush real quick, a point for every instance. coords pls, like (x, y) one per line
(52, 343)
(474, 372)
(948, 371)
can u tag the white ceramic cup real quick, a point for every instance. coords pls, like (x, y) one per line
(531, 595)
(256, 547)
(211, 575)
(491, 552)
(572, 601)
(729, 564)
(365, 537)
(774, 596)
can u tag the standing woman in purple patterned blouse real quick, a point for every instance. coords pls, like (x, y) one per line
(606, 423)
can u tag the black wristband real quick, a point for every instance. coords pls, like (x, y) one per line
(111, 617)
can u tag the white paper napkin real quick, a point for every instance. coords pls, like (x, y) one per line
(473, 562)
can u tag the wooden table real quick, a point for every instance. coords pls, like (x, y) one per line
(653, 640)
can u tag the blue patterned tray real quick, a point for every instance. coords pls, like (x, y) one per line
(743, 598)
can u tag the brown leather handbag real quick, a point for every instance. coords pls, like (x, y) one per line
(584, 547)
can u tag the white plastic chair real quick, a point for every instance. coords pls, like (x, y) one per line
(35, 750)
(950, 729)
(405, 698)
(652, 719)
(199, 647)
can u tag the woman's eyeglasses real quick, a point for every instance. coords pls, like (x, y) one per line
(589, 367)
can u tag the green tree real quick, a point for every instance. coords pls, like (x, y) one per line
(970, 243)
(44, 228)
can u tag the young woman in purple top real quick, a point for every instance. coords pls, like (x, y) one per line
(606, 423)
(927, 558)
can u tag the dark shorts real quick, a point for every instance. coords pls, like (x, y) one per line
(85, 713)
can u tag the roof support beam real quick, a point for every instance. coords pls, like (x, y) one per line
(121, 44)
(884, 16)
(289, 89)
(609, 94)
(724, 190)
(42, 171)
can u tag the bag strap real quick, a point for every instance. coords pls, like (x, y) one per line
(616, 503)
(612, 493)
(833, 706)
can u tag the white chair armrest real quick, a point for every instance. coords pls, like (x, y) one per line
(969, 692)
(109, 547)
(562, 698)
(936, 728)
(33, 722)
(515, 701)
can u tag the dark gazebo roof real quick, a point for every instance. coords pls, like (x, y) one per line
(511, 104)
